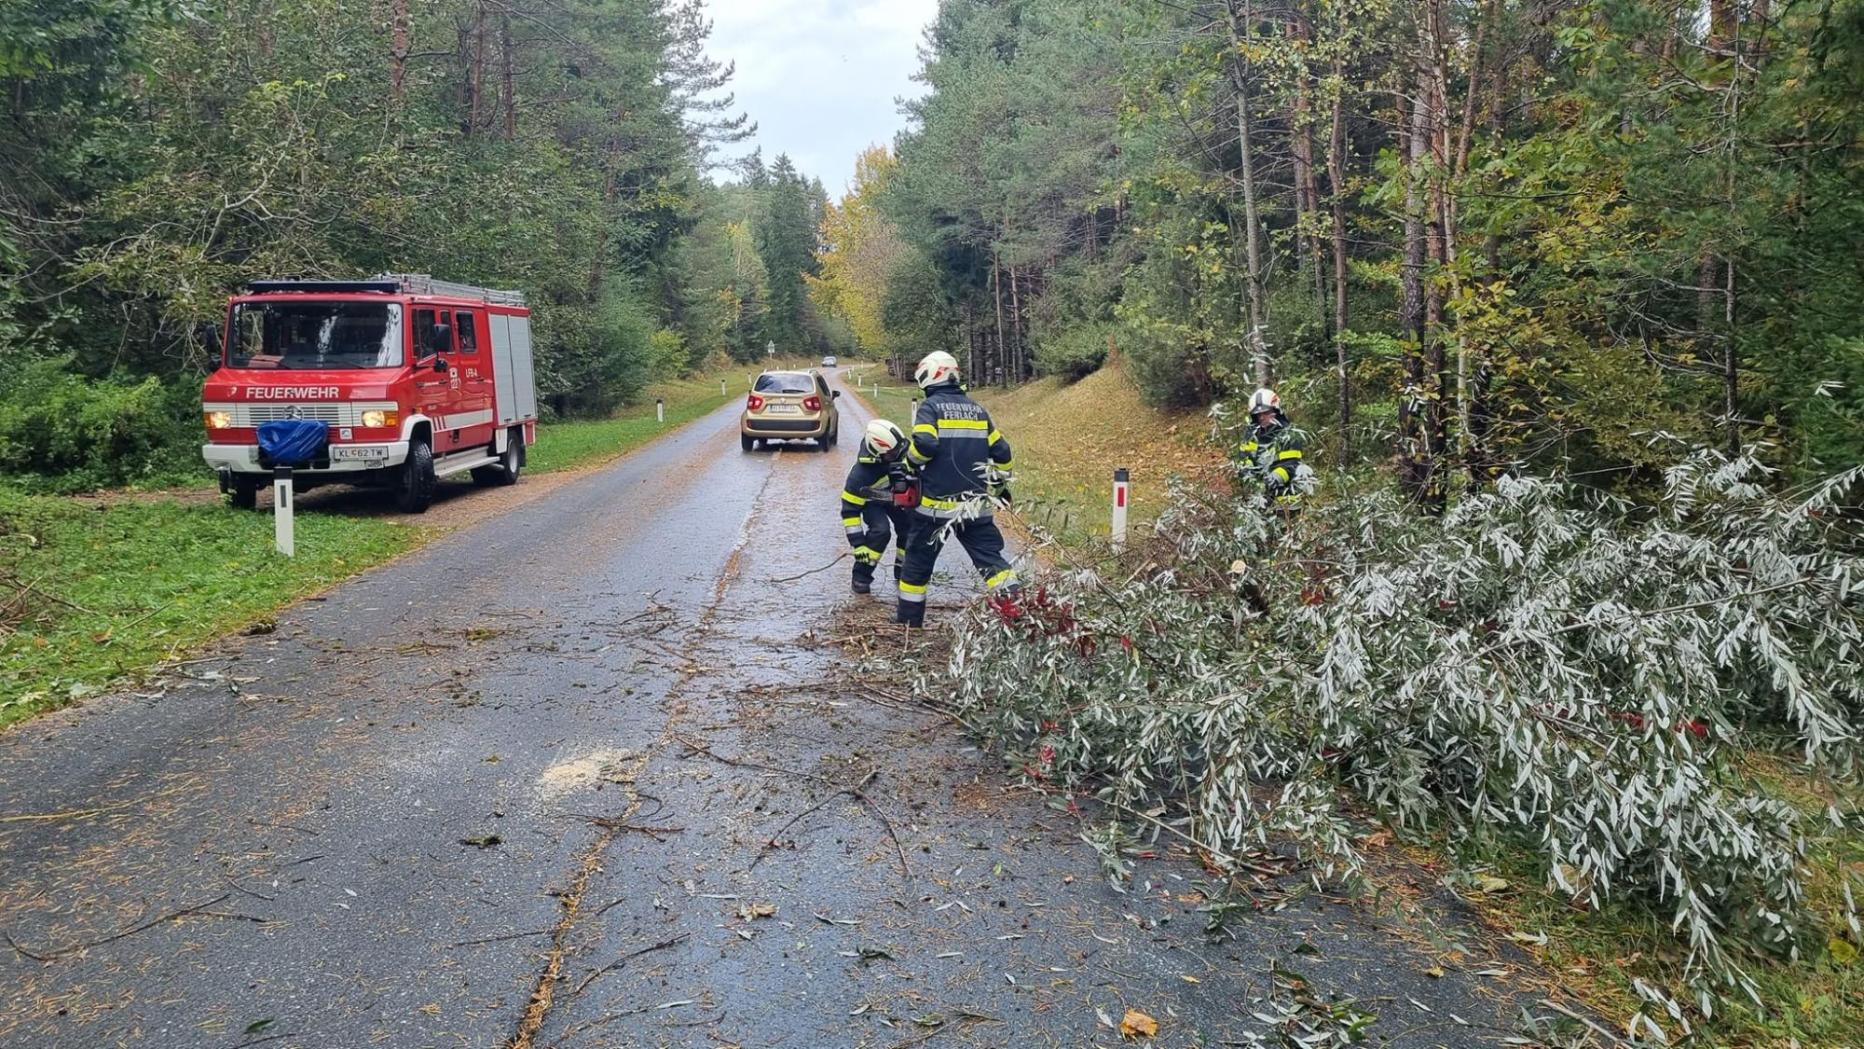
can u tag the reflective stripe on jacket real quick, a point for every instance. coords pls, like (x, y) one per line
(1271, 456)
(866, 498)
(954, 445)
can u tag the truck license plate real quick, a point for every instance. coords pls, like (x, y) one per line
(341, 453)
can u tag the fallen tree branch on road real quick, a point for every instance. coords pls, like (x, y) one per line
(815, 571)
(624, 959)
(200, 909)
(855, 792)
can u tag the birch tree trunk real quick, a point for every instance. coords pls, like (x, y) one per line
(399, 32)
(1252, 228)
(509, 75)
(1336, 185)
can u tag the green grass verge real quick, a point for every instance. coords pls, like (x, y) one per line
(93, 594)
(886, 396)
(578, 442)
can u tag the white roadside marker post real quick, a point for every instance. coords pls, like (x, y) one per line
(284, 530)
(1122, 483)
(721, 388)
(660, 409)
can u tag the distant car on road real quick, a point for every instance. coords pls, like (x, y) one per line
(828, 361)
(790, 406)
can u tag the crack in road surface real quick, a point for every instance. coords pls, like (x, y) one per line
(590, 859)
(423, 782)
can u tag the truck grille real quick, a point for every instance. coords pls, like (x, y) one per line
(335, 413)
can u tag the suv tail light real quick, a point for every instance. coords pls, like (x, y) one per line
(812, 403)
(754, 403)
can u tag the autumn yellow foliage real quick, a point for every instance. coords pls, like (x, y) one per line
(863, 247)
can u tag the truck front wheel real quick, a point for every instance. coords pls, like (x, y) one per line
(414, 491)
(244, 494)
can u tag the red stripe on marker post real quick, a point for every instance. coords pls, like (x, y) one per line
(1122, 481)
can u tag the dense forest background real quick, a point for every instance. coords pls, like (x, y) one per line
(1457, 234)
(155, 155)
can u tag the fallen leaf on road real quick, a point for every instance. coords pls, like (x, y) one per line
(1136, 1024)
(753, 911)
(1490, 883)
(1435, 972)
(484, 842)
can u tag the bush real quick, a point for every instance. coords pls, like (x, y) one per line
(1570, 673)
(668, 356)
(1074, 352)
(65, 432)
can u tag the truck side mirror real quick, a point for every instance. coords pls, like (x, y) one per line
(209, 333)
(440, 338)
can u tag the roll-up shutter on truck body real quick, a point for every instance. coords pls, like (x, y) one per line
(522, 373)
(504, 371)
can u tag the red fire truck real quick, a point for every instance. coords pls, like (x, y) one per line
(416, 378)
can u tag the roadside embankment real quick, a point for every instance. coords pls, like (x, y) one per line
(1070, 437)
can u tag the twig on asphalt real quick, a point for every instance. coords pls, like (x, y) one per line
(905, 870)
(771, 844)
(1242, 864)
(652, 832)
(624, 959)
(926, 1037)
(228, 878)
(11, 942)
(856, 792)
(184, 912)
(48, 817)
(700, 748)
(282, 826)
(813, 571)
(502, 939)
(654, 611)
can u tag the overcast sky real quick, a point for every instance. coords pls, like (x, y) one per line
(821, 77)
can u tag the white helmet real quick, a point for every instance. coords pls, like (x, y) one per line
(883, 439)
(1264, 400)
(938, 367)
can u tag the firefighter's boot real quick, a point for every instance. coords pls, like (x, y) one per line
(866, 560)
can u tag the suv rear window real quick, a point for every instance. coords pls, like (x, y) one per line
(785, 382)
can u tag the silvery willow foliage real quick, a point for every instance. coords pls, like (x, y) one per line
(1574, 673)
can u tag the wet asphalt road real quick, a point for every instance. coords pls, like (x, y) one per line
(519, 789)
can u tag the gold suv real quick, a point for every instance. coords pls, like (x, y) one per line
(790, 406)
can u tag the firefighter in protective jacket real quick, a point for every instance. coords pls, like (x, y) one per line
(1271, 451)
(876, 501)
(963, 465)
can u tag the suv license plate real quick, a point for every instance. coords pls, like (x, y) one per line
(785, 409)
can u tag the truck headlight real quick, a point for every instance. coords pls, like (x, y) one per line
(219, 420)
(377, 418)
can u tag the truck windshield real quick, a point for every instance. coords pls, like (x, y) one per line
(315, 335)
